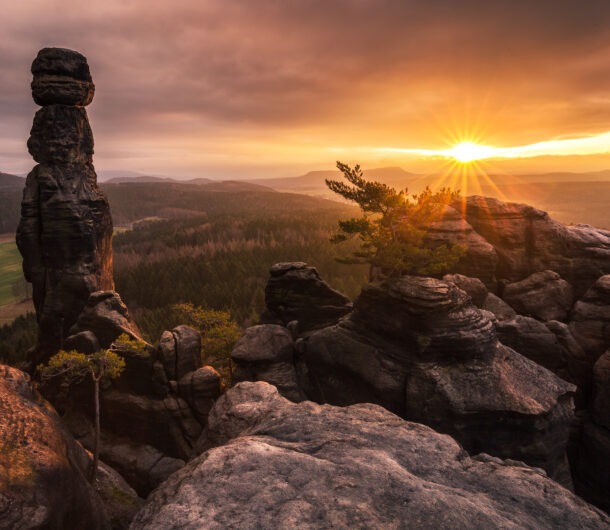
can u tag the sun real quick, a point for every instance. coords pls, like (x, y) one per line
(467, 152)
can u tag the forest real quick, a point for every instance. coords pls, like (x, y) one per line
(183, 244)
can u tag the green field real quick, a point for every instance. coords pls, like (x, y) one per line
(10, 272)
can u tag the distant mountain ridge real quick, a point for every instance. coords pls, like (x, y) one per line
(7, 180)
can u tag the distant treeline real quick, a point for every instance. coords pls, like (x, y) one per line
(222, 261)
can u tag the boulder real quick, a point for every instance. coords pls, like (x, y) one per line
(107, 317)
(296, 292)
(120, 501)
(474, 287)
(42, 468)
(535, 340)
(590, 319)
(200, 389)
(143, 466)
(420, 348)
(497, 306)
(542, 295)
(266, 353)
(310, 466)
(61, 77)
(180, 351)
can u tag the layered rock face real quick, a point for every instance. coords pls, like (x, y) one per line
(154, 413)
(420, 348)
(65, 231)
(526, 241)
(295, 292)
(311, 466)
(42, 469)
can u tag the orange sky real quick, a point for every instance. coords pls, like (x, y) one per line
(267, 88)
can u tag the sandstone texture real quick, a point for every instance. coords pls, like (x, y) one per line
(266, 353)
(65, 230)
(527, 240)
(420, 348)
(286, 465)
(542, 295)
(42, 468)
(153, 414)
(295, 292)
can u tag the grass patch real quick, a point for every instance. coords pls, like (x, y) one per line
(10, 272)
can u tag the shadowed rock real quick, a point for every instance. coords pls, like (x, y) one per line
(420, 348)
(61, 77)
(543, 295)
(308, 466)
(295, 292)
(65, 230)
(42, 469)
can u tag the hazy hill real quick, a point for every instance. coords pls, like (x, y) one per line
(8, 181)
(312, 183)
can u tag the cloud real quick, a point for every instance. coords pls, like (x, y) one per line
(341, 72)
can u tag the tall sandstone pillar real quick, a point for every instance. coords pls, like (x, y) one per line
(65, 232)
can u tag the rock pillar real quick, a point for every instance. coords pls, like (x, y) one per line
(65, 232)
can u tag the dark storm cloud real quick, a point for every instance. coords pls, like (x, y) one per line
(304, 63)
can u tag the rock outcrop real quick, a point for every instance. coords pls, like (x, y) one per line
(296, 293)
(420, 348)
(65, 230)
(286, 465)
(266, 353)
(527, 240)
(42, 468)
(152, 415)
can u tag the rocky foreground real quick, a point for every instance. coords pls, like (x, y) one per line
(276, 464)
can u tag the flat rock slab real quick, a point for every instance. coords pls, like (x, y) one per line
(304, 465)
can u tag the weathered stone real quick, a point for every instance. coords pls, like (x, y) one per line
(499, 307)
(143, 466)
(166, 424)
(590, 319)
(419, 347)
(310, 466)
(60, 136)
(542, 295)
(84, 342)
(42, 468)
(473, 287)
(120, 501)
(107, 317)
(61, 76)
(180, 351)
(527, 240)
(532, 338)
(200, 389)
(65, 230)
(433, 319)
(265, 353)
(480, 260)
(296, 292)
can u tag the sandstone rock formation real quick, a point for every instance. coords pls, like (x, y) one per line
(152, 415)
(527, 240)
(42, 469)
(265, 353)
(303, 465)
(420, 348)
(542, 295)
(295, 292)
(65, 230)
